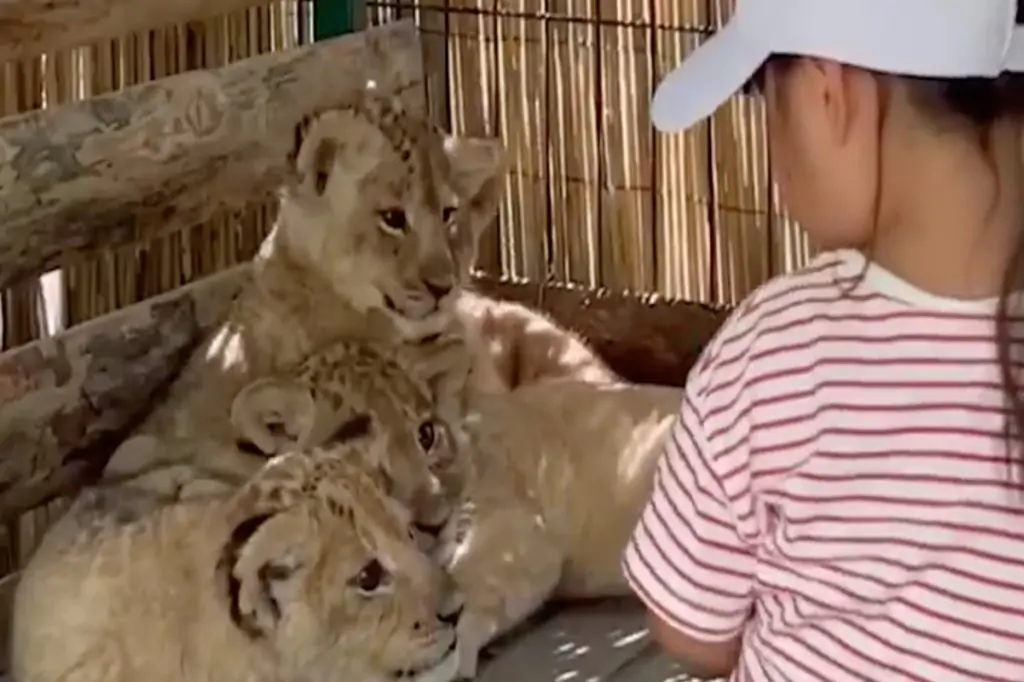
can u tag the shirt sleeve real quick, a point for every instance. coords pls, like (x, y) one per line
(687, 560)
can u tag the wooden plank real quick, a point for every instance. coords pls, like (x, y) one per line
(67, 400)
(31, 27)
(161, 156)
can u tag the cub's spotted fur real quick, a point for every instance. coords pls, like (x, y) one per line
(559, 475)
(350, 390)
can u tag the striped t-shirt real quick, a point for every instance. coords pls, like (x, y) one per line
(837, 491)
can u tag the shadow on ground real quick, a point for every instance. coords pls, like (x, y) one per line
(600, 642)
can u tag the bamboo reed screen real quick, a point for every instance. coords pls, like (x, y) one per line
(594, 196)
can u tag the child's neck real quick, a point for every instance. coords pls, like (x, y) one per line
(948, 227)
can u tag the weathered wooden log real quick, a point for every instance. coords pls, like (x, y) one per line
(31, 27)
(66, 402)
(160, 156)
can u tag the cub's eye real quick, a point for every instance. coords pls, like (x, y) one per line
(447, 213)
(426, 434)
(394, 219)
(370, 578)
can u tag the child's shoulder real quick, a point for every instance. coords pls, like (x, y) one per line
(780, 310)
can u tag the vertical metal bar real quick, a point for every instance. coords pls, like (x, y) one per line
(599, 114)
(496, 102)
(712, 208)
(303, 13)
(652, 68)
(549, 199)
(497, 105)
(447, 64)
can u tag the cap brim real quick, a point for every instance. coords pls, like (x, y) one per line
(706, 79)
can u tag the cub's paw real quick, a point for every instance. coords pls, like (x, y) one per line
(447, 670)
(467, 661)
(473, 632)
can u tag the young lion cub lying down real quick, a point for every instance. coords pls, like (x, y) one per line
(307, 574)
(555, 478)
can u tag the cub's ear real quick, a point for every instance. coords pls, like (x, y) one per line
(255, 569)
(337, 140)
(275, 414)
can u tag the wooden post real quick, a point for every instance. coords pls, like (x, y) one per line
(155, 158)
(337, 17)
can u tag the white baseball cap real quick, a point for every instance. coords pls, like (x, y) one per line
(937, 38)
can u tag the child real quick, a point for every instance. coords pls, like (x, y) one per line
(841, 497)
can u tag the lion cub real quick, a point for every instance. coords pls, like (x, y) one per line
(308, 572)
(373, 223)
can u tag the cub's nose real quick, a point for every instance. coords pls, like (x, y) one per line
(438, 291)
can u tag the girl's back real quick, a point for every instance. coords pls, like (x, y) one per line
(855, 425)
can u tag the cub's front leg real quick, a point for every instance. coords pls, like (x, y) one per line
(505, 567)
(444, 365)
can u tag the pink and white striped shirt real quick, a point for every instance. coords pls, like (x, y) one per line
(837, 490)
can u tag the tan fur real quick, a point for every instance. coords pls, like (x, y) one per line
(560, 474)
(317, 402)
(513, 346)
(332, 268)
(267, 585)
